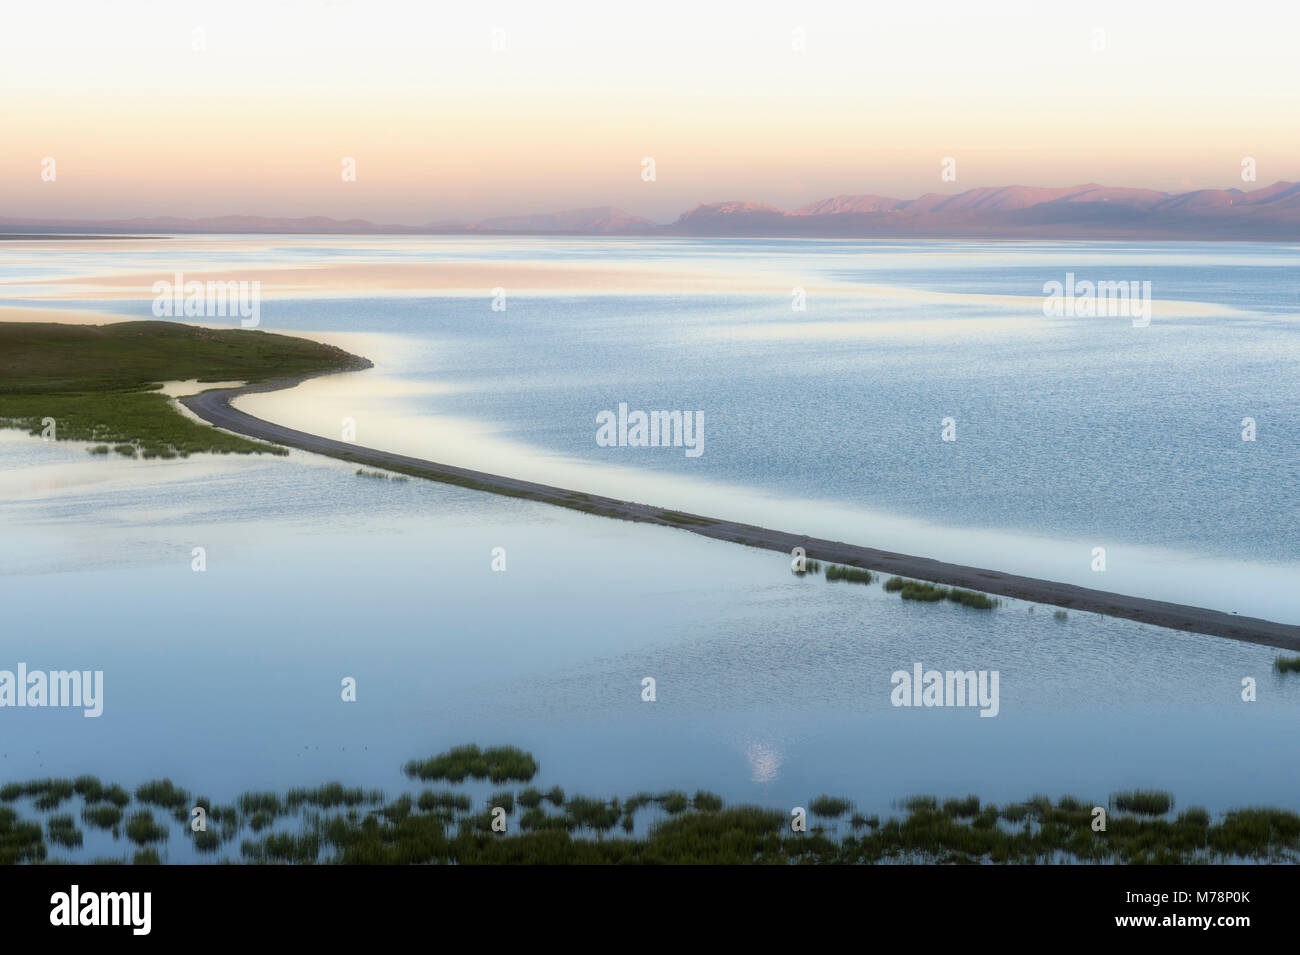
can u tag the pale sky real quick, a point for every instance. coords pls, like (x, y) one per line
(259, 119)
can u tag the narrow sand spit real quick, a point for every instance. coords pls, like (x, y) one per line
(214, 407)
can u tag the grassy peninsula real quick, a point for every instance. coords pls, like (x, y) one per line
(100, 383)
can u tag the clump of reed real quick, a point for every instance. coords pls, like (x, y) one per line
(499, 764)
(856, 575)
(102, 817)
(695, 830)
(430, 800)
(1060, 615)
(1145, 802)
(208, 840)
(505, 800)
(162, 793)
(283, 847)
(931, 593)
(63, 831)
(45, 793)
(706, 802)
(142, 829)
(331, 795)
(596, 814)
(1287, 664)
(673, 802)
(829, 807)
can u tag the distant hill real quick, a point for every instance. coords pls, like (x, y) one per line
(1089, 211)
(1086, 211)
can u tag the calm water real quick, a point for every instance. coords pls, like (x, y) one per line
(1072, 433)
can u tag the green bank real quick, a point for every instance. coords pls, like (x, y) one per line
(100, 383)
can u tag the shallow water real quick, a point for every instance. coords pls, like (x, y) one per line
(772, 689)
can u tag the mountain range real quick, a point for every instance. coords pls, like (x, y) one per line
(1089, 211)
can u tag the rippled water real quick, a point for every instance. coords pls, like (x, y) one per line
(770, 688)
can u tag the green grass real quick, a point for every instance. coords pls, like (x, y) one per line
(381, 475)
(430, 800)
(1287, 664)
(706, 802)
(506, 800)
(932, 593)
(499, 764)
(1144, 802)
(969, 598)
(829, 807)
(332, 825)
(854, 575)
(102, 817)
(99, 382)
(164, 794)
(810, 566)
(141, 828)
(63, 831)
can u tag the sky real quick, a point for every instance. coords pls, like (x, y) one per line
(466, 111)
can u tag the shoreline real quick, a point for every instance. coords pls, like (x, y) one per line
(214, 406)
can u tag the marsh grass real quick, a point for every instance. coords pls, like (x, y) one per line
(63, 831)
(1060, 615)
(810, 566)
(208, 840)
(594, 814)
(88, 788)
(1145, 802)
(506, 800)
(706, 802)
(673, 802)
(252, 803)
(829, 807)
(1287, 664)
(20, 841)
(332, 825)
(931, 593)
(142, 829)
(102, 817)
(99, 381)
(164, 794)
(855, 575)
(430, 800)
(331, 795)
(499, 764)
(381, 475)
